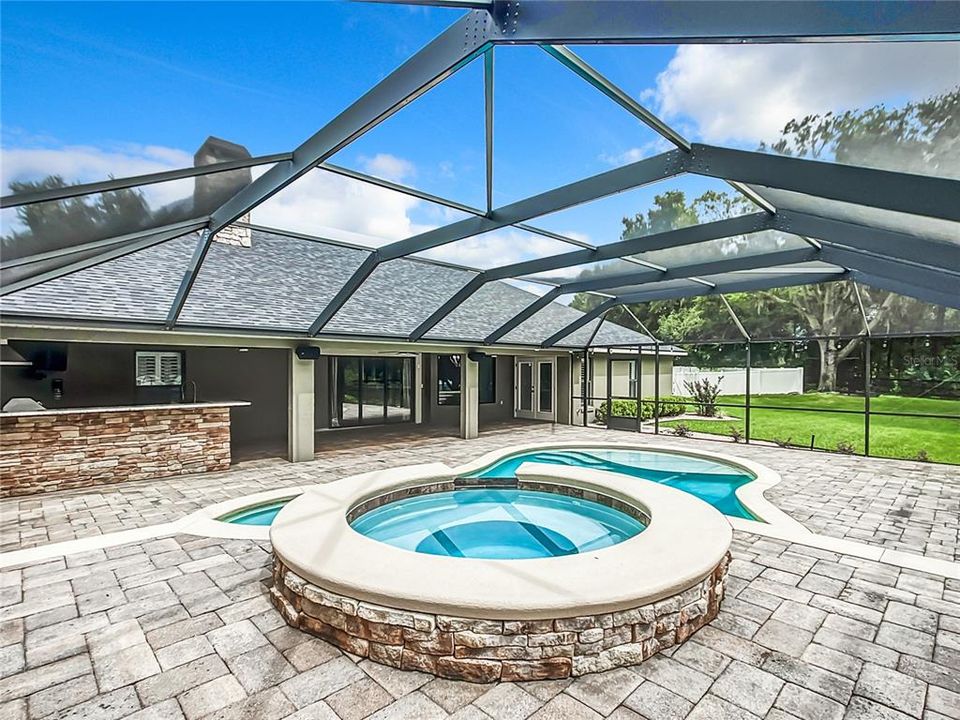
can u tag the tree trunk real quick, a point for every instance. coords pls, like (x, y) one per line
(828, 366)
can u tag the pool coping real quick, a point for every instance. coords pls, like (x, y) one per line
(685, 541)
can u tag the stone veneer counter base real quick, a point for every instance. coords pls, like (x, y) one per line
(485, 620)
(63, 449)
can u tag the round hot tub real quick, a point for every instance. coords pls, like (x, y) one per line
(500, 523)
(568, 571)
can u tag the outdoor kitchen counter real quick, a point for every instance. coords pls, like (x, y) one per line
(66, 448)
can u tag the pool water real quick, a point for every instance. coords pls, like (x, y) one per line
(712, 481)
(495, 523)
(256, 515)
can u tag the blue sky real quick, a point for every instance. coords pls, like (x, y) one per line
(91, 89)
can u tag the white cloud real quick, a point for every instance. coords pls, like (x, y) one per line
(445, 168)
(87, 163)
(388, 167)
(653, 147)
(747, 93)
(319, 203)
(322, 203)
(499, 247)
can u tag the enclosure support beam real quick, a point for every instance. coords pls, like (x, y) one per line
(578, 66)
(445, 202)
(488, 121)
(522, 316)
(656, 388)
(448, 52)
(921, 276)
(580, 322)
(737, 286)
(609, 412)
(113, 248)
(736, 320)
(746, 412)
(912, 247)
(866, 395)
(611, 182)
(638, 390)
(681, 272)
(743, 225)
(454, 48)
(748, 285)
(885, 189)
(71, 191)
(951, 299)
(594, 77)
(584, 374)
(711, 21)
(860, 306)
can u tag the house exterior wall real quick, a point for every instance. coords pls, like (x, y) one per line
(104, 374)
(449, 415)
(621, 377)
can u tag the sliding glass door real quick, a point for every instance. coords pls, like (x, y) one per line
(371, 391)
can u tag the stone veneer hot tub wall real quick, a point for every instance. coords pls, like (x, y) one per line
(64, 449)
(484, 619)
(478, 650)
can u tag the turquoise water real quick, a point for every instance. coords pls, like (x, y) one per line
(500, 524)
(709, 480)
(714, 482)
(258, 514)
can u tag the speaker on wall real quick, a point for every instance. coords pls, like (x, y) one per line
(308, 352)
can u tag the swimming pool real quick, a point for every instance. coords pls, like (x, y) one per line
(258, 514)
(497, 523)
(710, 480)
(713, 481)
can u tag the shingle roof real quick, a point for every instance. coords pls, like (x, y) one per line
(282, 282)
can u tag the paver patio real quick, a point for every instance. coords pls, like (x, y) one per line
(180, 626)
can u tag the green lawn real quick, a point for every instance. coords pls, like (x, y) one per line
(895, 437)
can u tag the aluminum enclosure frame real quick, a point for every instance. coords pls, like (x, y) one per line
(916, 265)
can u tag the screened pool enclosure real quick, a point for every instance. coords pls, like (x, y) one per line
(889, 228)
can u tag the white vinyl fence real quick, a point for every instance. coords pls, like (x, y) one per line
(763, 381)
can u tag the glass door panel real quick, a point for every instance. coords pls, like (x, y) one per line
(525, 398)
(545, 387)
(372, 409)
(371, 391)
(346, 395)
(399, 389)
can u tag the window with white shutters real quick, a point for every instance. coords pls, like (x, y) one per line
(159, 368)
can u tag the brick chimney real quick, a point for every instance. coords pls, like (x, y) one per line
(211, 191)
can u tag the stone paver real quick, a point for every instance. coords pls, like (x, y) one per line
(898, 504)
(180, 627)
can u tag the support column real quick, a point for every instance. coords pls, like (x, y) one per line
(301, 427)
(420, 398)
(469, 398)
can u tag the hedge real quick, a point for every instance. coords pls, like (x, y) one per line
(669, 407)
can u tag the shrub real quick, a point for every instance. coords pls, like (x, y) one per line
(736, 434)
(846, 448)
(704, 394)
(921, 456)
(681, 430)
(669, 407)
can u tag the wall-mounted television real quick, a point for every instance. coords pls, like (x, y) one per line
(49, 357)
